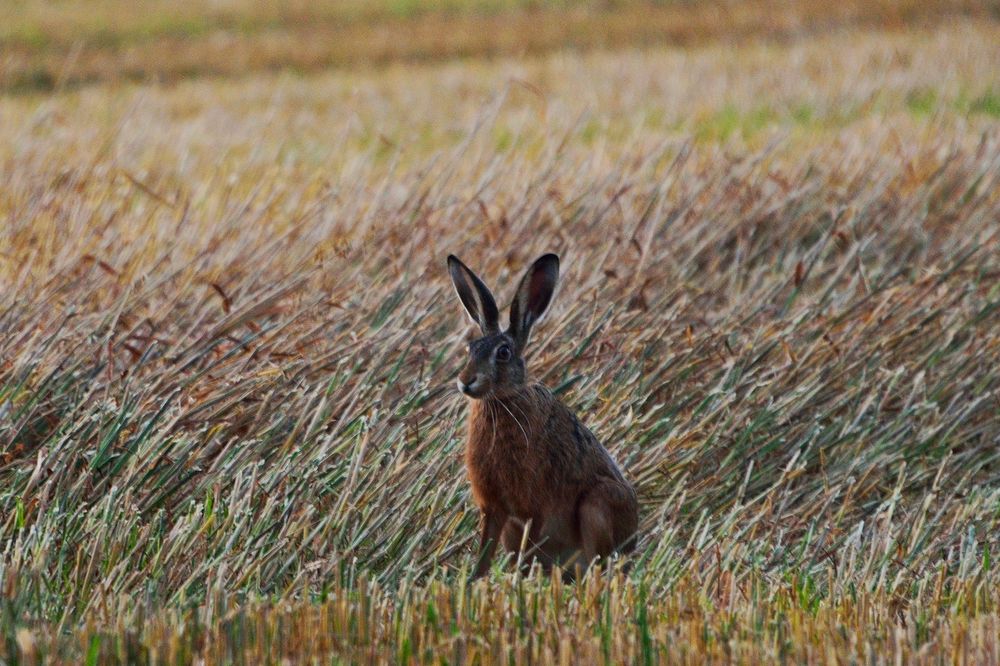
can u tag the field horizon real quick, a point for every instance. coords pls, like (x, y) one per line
(58, 47)
(228, 425)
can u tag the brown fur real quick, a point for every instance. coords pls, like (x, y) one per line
(530, 459)
(546, 487)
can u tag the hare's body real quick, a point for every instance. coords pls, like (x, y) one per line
(546, 480)
(544, 484)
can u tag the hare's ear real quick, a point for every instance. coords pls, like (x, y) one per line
(533, 297)
(476, 298)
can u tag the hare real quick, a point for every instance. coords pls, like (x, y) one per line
(544, 484)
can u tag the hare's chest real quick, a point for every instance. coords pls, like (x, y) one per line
(505, 480)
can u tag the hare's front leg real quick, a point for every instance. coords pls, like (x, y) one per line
(491, 523)
(526, 540)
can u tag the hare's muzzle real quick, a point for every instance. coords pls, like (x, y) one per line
(472, 389)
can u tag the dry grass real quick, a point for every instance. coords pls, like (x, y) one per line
(46, 45)
(227, 347)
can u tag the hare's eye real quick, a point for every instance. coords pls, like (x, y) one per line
(503, 353)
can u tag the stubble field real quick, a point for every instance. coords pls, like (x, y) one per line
(228, 427)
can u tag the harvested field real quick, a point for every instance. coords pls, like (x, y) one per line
(228, 424)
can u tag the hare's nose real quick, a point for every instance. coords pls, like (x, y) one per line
(469, 389)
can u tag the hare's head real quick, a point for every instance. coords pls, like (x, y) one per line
(496, 362)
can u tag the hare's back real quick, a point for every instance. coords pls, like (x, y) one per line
(572, 443)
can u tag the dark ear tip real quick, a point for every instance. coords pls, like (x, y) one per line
(550, 259)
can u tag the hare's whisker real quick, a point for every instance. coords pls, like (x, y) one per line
(527, 443)
(493, 418)
(521, 411)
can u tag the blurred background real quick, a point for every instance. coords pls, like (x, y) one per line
(56, 44)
